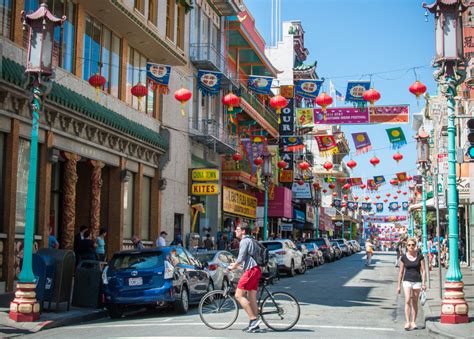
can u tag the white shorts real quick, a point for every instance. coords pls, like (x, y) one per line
(412, 285)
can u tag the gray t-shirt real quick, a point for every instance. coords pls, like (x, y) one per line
(247, 249)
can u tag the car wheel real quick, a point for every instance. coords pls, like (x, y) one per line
(182, 306)
(322, 261)
(115, 311)
(303, 267)
(291, 272)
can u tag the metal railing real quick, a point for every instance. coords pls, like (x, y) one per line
(261, 109)
(211, 128)
(209, 53)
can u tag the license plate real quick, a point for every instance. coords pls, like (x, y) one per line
(135, 281)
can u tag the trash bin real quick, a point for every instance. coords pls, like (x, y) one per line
(87, 284)
(44, 269)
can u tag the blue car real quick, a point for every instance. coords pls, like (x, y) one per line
(154, 277)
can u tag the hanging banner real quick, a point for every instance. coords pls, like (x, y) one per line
(351, 205)
(361, 142)
(252, 151)
(287, 119)
(291, 144)
(397, 114)
(287, 129)
(379, 180)
(308, 89)
(355, 181)
(304, 117)
(371, 185)
(326, 144)
(329, 180)
(366, 206)
(158, 77)
(393, 206)
(341, 116)
(396, 137)
(209, 83)
(259, 84)
(287, 91)
(402, 176)
(355, 92)
(379, 207)
(405, 205)
(337, 203)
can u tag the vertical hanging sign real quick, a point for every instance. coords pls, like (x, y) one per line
(287, 128)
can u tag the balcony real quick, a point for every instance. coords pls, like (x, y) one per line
(208, 132)
(238, 171)
(206, 56)
(227, 7)
(259, 112)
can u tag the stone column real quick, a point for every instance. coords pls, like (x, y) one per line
(69, 202)
(96, 185)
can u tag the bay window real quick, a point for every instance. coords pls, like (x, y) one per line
(136, 72)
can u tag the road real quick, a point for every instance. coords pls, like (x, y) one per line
(338, 300)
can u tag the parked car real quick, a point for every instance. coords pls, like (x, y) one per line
(355, 244)
(272, 267)
(325, 246)
(216, 263)
(307, 257)
(154, 277)
(317, 254)
(288, 257)
(337, 249)
(345, 246)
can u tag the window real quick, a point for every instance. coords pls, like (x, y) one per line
(6, 17)
(152, 11)
(136, 72)
(145, 212)
(139, 5)
(180, 27)
(170, 4)
(101, 54)
(128, 208)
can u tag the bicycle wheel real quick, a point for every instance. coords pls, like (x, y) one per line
(218, 310)
(280, 311)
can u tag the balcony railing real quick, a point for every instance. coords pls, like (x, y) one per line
(207, 55)
(212, 134)
(262, 109)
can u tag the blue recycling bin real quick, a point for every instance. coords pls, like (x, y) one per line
(44, 269)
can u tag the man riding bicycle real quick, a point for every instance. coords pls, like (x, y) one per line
(246, 293)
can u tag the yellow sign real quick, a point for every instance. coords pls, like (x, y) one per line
(287, 91)
(204, 174)
(239, 203)
(205, 189)
(286, 176)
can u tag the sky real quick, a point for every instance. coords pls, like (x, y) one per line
(353, 38)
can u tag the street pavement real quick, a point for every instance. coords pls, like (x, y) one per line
(338, 300)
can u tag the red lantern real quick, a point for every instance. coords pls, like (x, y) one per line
(375, 202)
(409, 178)
(344, 204)
(303, 165)
(385, 200)
(231, 100)
(371, 96)
(278, 102)
(346, 186)
(394, 182)
(325, 190)
(397, 157)
(405, 193)
(324, 100)
(183, 95)
(328, 165)
(351, 164)
(356, 198)
(345, 196)
(388, 194)
(332, 186)
(395, 197)
(237, 156)
(317, 185)
(417, 88)
(139, 91)
(301, 182)
(374, 161)
(97, 81)
(377, 196)
(366, 198)
(363, 186)
(411, 186)
(399, 191)
(334, 194)
(282, 164)
(258, 161)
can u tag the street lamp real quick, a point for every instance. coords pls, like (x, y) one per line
(449, 60)
(266, 176)
(317, 204)
(39, 70)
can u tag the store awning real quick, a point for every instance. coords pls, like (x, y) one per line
(430, 204)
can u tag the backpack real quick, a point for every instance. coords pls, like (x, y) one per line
(262, 257)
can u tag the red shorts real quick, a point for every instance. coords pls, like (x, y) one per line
(250, 279)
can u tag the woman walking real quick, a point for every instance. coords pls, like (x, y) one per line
(412, 273)
(369, 252)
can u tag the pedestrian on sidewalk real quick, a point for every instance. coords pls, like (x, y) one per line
(137, 243)
(369, 252)
(208, 243)
(412, 273)
(100, 249)
(161, 241)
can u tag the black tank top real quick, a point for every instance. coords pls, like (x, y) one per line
(412, 268)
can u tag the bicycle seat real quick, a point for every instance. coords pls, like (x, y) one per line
(266, 280)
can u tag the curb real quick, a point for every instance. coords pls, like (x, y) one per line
(95, 315)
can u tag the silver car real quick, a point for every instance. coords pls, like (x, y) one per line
(288, 257)
(216, 263)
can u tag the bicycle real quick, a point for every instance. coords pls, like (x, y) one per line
(279, 311)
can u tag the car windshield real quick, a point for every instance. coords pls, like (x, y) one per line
(204, 257)
(137, 261)
(320, 242)
(272, 246)
(334, 243)
(340, 242)
(310, 246)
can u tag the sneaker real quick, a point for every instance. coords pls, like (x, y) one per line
(254, 330)
(254, 324)
(245, 329)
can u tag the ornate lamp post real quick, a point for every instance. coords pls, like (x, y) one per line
(449, 60)
(267, 177)
(317, 204)
(39, 70)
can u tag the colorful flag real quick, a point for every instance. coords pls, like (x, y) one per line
(355, 92)
(371, 185)
(259, 84)
(355, 181)
(402, 176)
(326, 144)
(308, 88)
(291, 144)
(393, 206)
(337, 203)
(158, 76)
(396, 137)
(379, 207)
(379, 180)
(305, 117)
(361, 142)
(405, 205)
(209, 83)
(330, 180)
(350, 205)
(340, 96)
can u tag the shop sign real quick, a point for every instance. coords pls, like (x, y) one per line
(301, 191)
(464, 187)
(310, 214)
(205, 174)
(239, 203)
(204, 189)
(287, 91)
(299, 215)
(286, 176)
(286, 227)
(331, 211)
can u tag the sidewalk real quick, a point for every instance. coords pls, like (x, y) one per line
(432, 307)
(75, 315)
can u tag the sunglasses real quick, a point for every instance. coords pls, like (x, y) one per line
(411, 245)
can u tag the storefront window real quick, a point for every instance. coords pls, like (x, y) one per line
(5, 17)
(136, 72)
(145, 213)
(128, 208)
